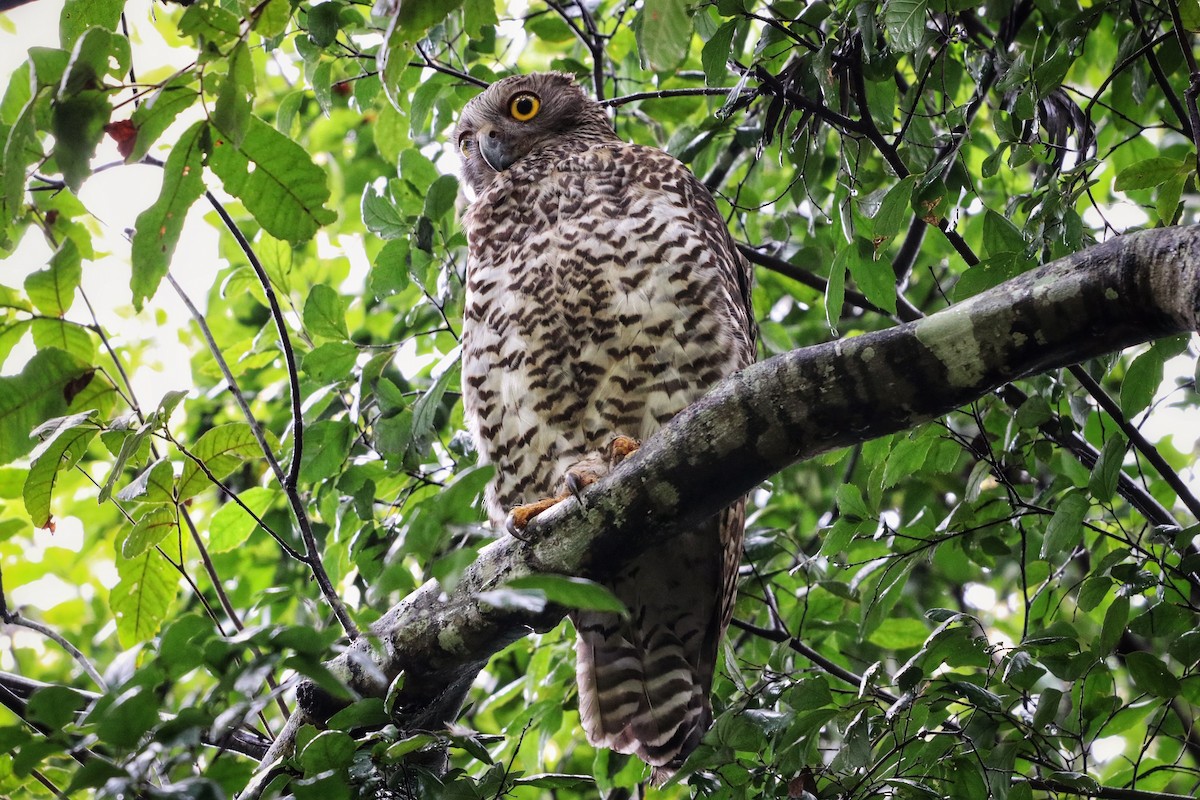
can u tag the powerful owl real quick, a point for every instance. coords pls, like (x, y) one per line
(604, 294)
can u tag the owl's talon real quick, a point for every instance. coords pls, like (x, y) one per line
(510, 525)
(575, 484)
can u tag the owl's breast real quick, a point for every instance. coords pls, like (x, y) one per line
(594, 307)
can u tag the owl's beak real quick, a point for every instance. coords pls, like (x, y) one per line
(494, 149)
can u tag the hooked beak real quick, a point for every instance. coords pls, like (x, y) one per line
(494, 149)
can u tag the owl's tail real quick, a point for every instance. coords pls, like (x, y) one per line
(644, 679)
(643, 696)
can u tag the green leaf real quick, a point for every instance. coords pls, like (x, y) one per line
(368, 712)
(79, 15)
(572, 592)
(1065, 529)
(231, 113)
(409, 744)
(62, 443)
(1141, 381)
(21, 149)
(427, 404)
(393, 64)
(81, 107)
(327, 750)
(404, 438)
(273, 18)
(714, 56)
(1189, 14)
(835, 290)
(907, 458)
(96, 53)
(1115, 620)
(158, 228)
(55, 706)
(150, 529)
(52, 290)
(1000, 235)
(130, 445)
(1167, 202)
(1151, 675)
(904, 22)
(44, 389)
(1107, 471)
(17, 94)
(330, 362)
(900, 634)
(441, 196)
(1186, 648)
(78, 127)
(210, 24)
(664, 34)
(285, 113)
(1093, 590)
(155, 484)
(323, 23)
(65, 336)
(874, 278)
(1147, 174)
(381, 216)
(991, 272)
(159, 110)
(231, 526)
(418, 170)
(894, 209)
(415, 17)
(322, 86)
(327, 445)
(141, 599)
(547, 780)
(850, 502)
(325, 313)
(49, 65)
(276, 180)
(390, 272)
(222, 449)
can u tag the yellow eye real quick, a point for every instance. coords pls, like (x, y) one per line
(464, 145)
(524, 106)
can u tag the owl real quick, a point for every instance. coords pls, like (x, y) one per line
(604, 294)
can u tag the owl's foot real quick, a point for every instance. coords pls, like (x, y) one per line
(620, 448)
(519, 516)
(579, 477)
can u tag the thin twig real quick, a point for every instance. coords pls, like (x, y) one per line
(285, 342)
(1193, 90)
(16, 618)
(312, 552)
(1135, 437)
(698, 91)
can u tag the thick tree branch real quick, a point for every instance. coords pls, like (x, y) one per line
(770, 415)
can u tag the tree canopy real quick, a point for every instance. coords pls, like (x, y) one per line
(996, 602)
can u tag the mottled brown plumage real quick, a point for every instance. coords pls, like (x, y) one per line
(604, 295)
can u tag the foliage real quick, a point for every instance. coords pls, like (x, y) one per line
(1002, 604)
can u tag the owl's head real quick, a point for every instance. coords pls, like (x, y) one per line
(519, 115)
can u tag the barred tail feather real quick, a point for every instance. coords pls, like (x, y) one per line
(644, 680)
(647, 701)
